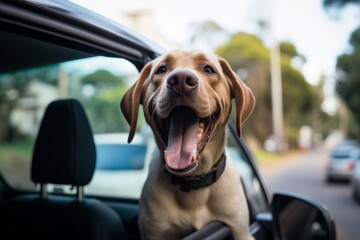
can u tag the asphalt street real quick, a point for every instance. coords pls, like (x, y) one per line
(304, 174)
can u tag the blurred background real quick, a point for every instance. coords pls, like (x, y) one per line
(301, 59)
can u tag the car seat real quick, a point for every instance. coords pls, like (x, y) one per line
(64, 153)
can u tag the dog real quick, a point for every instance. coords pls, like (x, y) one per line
(187, 100)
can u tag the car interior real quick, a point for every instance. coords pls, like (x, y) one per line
(63, 154)
(61, 81)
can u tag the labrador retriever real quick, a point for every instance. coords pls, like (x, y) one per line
(187, 101)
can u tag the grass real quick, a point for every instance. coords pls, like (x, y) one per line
(265, 157)
(18, 150)
(15, 159)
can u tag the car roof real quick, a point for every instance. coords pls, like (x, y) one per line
(69, 23)
(348, 143)
(85, 16)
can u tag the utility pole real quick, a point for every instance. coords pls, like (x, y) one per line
(278, 134)
(276, 85)
(276, 98)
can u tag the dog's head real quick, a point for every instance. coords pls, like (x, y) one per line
(187, 102)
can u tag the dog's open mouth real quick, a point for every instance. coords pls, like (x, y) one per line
(186, 137)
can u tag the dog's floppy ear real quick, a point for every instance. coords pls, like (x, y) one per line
(244, 98)
(132, 99)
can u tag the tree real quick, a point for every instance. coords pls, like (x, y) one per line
(348, 76)
(103, 104)
(102, 78)
(288, 49)
(13, 86)
(250, 58)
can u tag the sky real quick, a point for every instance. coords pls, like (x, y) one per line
(305, 23)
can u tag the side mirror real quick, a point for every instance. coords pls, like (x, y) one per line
(297, 218)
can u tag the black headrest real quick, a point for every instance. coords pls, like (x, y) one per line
(64, 151)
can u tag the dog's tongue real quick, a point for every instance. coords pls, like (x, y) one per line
(182, 140)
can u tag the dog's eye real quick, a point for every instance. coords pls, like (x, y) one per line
(161, 70)
(209, 70)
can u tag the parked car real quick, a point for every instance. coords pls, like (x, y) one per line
(53, 50)
(341, 163)
(348, 142)
(355, 178)
(121, 168)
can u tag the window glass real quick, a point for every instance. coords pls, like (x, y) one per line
(342, 153)
(114, 157)
(97, 82)
(122, 168)
(256, 198)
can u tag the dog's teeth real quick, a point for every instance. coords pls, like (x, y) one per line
(200, 133)
(201, 130)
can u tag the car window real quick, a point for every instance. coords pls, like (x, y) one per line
(114, 157)
(257, 200)
(341, 153)
(98, 82)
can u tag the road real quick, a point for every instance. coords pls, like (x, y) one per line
(304, 174)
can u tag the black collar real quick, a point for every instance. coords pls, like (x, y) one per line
(188, 183)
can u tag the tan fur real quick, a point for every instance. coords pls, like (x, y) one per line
(165, 211)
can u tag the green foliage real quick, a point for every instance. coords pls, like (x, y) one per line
(348, 76)
(20, 80)
(298, 95)
(288, 49)
(244, 49)
(102, 78)
(248, 56)
(20, 150)
(14, 86)
(103, 111)
(103, 106)
(101, 103)
(355, 38)
(246, 53)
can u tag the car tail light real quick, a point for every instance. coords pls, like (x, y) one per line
(351, 165)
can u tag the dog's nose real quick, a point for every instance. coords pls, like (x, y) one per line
(182, 81)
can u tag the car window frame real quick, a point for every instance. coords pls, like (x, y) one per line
(50, 25)
(241, 143)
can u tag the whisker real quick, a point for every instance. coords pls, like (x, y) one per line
(161, 169)
(195, 170)
(168, 176)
